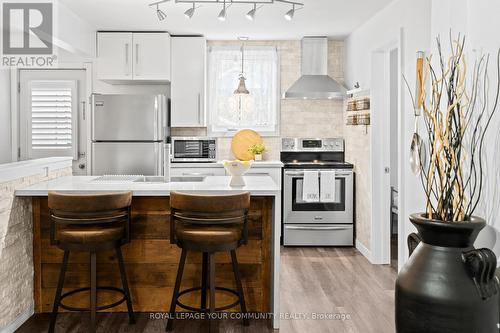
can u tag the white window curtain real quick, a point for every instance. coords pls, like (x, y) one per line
(260, 109)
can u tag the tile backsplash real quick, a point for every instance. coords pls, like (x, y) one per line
(299, 118)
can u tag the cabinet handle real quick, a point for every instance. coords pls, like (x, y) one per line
(126, 60)
(317, 228)
(197, 174)
(137, 59)
(199, 110)
(83, 110)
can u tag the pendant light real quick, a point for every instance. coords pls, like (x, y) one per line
(242, 89)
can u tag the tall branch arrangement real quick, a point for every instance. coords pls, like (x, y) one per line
(457, 114)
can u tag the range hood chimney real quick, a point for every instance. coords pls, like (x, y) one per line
(315, 82)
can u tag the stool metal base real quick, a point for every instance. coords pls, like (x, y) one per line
(222, 308)
(98, 307)
(93, 292)
(208, 282)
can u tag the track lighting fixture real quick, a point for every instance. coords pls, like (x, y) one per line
(161, 14)
(289, 14)
(190, 12)
(222, 14)
(226, 4)
(251, 14)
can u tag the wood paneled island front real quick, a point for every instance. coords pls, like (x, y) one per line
(151, 261)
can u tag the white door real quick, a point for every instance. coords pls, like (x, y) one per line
(114, 56)
(53, 115)
(188, 81)
(151, 56)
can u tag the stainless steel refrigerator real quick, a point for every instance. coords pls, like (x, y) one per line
(129, 133)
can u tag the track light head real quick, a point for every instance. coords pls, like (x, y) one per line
(160, 13)
(222, 14)
(289, 14)
(251, 14)
(190, 12)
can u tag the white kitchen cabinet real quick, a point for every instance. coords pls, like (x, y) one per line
(114, 58)
(151, 56)
(209, 171)
(274, 173)
(188, 82)
(130, 57)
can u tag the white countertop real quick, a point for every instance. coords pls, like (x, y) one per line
(16, 170)
(255, 164)
(256, 185)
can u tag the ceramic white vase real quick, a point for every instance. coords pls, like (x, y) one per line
(258, 157)
(237, 169)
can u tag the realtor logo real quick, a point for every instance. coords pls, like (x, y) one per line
(27, 28)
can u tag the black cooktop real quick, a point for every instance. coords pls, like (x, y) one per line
(318, 165)
(314, 160)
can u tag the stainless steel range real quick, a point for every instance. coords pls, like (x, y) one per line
(318, 193)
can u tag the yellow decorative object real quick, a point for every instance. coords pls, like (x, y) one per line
(242, 141)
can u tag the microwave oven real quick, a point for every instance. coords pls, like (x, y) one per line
(194, 149)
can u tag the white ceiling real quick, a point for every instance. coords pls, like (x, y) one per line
(332, 18)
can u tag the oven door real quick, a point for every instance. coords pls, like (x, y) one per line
(298, 211)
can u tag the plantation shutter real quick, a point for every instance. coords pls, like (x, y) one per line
(53, 119)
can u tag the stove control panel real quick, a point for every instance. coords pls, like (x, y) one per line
(312, 144)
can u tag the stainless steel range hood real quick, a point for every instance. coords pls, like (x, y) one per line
(315, 82)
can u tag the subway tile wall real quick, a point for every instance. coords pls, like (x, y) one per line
(299, 118)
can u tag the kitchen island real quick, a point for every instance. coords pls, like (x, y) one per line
(151, 261)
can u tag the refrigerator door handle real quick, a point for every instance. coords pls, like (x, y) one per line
(157, 122)
(200, 118)
(157, 159)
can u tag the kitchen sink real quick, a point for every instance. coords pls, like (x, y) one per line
(160, 179)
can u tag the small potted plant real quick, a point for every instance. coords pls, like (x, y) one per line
(257, 150)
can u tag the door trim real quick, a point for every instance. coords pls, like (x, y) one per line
(15, 104)
(380, 83)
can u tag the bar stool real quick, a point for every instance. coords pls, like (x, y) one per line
(208, 224)
(90, 223)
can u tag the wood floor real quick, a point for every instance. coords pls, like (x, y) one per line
(337, 285)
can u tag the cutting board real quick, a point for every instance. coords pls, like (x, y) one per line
(242, 141)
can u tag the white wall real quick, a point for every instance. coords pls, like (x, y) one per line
(381, 30)
(73, 37)
(482, 27)
(422, 21)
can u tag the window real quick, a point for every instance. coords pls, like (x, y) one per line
(50, 120)
(260, 109)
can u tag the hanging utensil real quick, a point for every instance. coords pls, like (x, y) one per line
(419, 82)
(417, 152)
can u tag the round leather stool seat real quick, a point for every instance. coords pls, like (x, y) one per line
(212, 234)
(89, 234)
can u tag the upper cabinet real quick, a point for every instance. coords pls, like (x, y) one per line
(133, 56)
(188, 82)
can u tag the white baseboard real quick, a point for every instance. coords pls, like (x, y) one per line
(364, 251)
(13, 326)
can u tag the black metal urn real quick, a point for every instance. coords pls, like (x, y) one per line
(447, 285)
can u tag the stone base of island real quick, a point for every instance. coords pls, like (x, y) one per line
(151, 261)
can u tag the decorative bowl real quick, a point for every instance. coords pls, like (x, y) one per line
(237, 169)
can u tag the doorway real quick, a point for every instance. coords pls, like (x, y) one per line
(386, 152)
(53, 115)
(394, 155)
